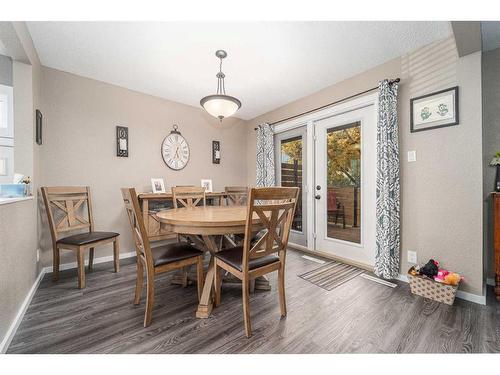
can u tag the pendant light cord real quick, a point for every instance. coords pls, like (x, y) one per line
(221, 87)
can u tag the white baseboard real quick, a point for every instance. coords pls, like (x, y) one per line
(481, 300)
(72, 265)
(9, 335)
(312, 259)
(298, 247)
(4, 345)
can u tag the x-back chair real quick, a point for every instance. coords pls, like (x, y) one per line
(156, 260)
(275, 206)
(188, 196)
(236, 195)
(69, 208)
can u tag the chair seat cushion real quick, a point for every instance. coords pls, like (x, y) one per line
(234, 257)
(87, 238)
(174, 252)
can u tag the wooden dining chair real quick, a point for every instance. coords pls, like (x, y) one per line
(153, 261)
(69, 208)
(188, 196)
(236, 195)
(275, 207)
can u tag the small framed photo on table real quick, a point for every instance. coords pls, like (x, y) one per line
(207, 184)
(158, 185)
(435, 110)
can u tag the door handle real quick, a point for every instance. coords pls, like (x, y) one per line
(317, 196)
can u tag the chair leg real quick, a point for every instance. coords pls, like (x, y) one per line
(55, 263)
(81, 268)
(252, 285)
(138, 283)
(217, 284)
(116, 254)
(281, 289)
(91, 258)
(199, 276)
(246, 306)
(150, 298)
(185, 272)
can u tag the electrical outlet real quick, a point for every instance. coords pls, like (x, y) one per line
(37, 255)
(412, 257)
(412, 156)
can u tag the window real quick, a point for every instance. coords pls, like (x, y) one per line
(6, 134)
(291, 173)
(344, 182)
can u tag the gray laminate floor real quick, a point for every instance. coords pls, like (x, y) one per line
(360, 316)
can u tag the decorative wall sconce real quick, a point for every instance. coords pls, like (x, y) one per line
(122, 141)
(215, 152)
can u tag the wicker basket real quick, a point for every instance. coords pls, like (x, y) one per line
(431, 289)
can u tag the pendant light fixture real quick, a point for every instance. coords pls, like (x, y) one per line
(220, 105)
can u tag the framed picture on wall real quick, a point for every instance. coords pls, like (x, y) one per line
(435, 110)
(207, 184)
(158, 185)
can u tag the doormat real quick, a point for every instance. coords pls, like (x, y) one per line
(332, 275)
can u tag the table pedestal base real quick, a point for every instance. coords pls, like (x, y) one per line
(212, 244)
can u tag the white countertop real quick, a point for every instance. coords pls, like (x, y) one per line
(13, 200)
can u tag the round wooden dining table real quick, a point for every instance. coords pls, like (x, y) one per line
(208, 227)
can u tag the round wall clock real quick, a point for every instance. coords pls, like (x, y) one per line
(175, 150)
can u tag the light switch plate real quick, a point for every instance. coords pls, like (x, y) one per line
(412, 257)
(412, 156)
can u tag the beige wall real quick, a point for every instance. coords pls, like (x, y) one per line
(79, 146)
(441, 212)
(491, 144)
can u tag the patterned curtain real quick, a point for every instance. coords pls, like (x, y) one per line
(265, 156)
(387, 209)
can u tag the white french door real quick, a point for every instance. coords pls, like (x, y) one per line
(344, 184)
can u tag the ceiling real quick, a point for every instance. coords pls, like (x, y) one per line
(269, 64)
(490, 32)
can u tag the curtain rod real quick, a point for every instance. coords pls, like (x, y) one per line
(330, 104)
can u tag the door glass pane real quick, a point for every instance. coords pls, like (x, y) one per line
(291, 172)
(344, 182)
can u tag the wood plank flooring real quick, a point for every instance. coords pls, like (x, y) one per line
(360, 316)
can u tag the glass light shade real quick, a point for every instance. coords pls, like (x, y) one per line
(220, 106)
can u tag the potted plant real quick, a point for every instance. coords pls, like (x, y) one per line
(495, 162)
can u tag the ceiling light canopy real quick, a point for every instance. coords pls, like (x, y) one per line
(220, 105)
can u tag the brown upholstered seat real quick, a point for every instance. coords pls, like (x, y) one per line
(234, 257)
(86, 238)
(173, 253)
